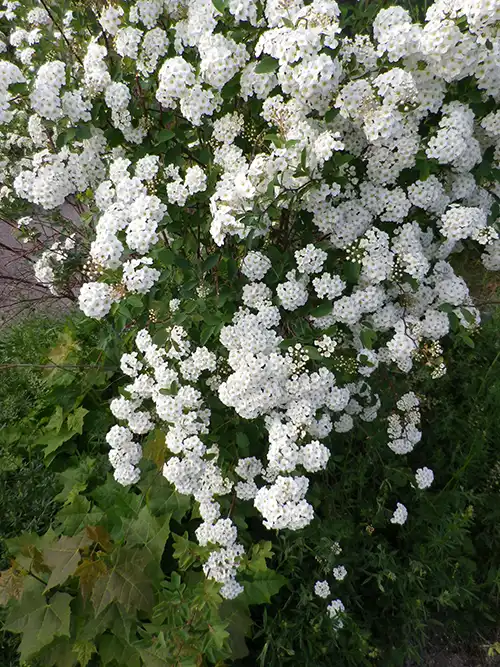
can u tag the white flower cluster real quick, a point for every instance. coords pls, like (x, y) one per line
(55, 176)
(402, 427)
(358, 157)
(400, 514)
(161, 394)
(322, 589)
(424, 477)
(9, 74)
(130, 217)
(46, 266)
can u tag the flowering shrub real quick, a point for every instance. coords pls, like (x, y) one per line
(271, 206)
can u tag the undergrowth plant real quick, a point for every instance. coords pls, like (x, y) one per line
(272, 207)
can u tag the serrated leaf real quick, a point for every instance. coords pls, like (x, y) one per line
(187, 552)
(88, 573)
(39, 620)
(75, 420)
(263, 586)
(126, 583)
(11, 585)
(149, 532)
(156, 656)
(83, 651)
(54, 440)
(114, 649)
(56, 421)
(238, 626)
(63, 558)
(100, 536)
(259, 554)
(162, 499)
(78, 514)
(267, 65)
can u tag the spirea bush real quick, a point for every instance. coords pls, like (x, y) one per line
(270, 205)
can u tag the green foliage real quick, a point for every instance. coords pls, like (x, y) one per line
(116, 578)
(441, 570)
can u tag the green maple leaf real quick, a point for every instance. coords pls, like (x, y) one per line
(126, 583)
(39, 620)
(83, 651)
(63, 558)
(112, 649)
(263, 585)
(77, 514)
(149, 532)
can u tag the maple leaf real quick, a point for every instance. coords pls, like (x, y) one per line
(39, 620)
(63, 558)
(83, 651)
(89, 572)
(149, 532)
(11, 585)
(100, 536)
(125, 583)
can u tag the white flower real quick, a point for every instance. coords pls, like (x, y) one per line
(322, 589)
(424, 477)
(400, 514)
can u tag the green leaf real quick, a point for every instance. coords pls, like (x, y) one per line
(83, 651)
(54, 440)
(88, 573)
(186, 552)
(112, 649)
(238, 626)
(469, 317)
(63, 558)
(39, 620)
(220, 5)
(126, 583)
(263, 586)
(75, 420)
(56, 421)
(313, 352)
(155, 448)
(351, 271)
(162, 499)
(149, 532)
(259, 554)
(266, 65)
(243, 444)
(468, 341)
(155, 655)
(368, 337)
(207, 333)
(210, 262)
(163, 136)
(78, 514)
(322, 310)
